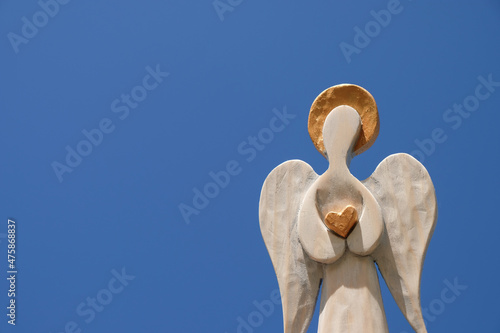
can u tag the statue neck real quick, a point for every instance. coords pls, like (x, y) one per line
(339, 164)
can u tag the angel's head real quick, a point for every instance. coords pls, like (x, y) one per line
(340, 134)
(339, 97)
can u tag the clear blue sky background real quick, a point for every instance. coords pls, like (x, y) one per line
(118, 208)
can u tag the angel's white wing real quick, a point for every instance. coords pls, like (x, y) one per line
(406, 195)
(299, 277)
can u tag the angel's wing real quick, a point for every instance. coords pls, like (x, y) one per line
(406, 195)
(299, 277)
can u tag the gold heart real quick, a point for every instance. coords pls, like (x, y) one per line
(342, 223)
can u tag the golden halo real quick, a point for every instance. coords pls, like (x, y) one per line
(353, 96)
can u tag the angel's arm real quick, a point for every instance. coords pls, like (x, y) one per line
(318, 242)
(366, 236)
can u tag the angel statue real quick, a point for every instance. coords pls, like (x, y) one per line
(331, 229)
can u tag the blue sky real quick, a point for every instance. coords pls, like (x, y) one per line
(114, 114)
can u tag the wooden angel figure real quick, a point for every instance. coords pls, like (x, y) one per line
(332, 229)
